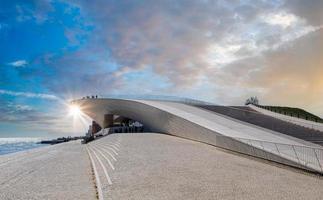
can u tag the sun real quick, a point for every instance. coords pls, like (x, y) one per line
(74, 110)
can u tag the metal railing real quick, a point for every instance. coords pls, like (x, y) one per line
(310, 158)
(120, 129)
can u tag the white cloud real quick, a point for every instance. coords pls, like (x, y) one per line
(191, 42)
(18, 63)
(223, 54)
(29, 95)
(282, 19)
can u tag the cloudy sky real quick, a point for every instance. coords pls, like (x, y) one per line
(221, 51)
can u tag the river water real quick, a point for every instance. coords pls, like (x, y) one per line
(11, 145)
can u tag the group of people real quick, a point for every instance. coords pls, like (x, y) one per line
(90, 97)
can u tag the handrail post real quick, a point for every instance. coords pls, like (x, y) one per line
(277, 149)
(318, 160)
(296, 154)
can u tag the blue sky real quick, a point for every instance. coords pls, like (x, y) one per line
(219, 51)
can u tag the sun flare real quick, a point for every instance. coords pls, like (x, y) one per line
(74, 110)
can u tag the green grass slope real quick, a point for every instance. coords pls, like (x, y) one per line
(293, 112)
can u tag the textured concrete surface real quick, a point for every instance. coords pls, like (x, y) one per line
(55, 172)
(157, 166)
(149, 166)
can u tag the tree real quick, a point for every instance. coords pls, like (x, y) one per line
(252, 100)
